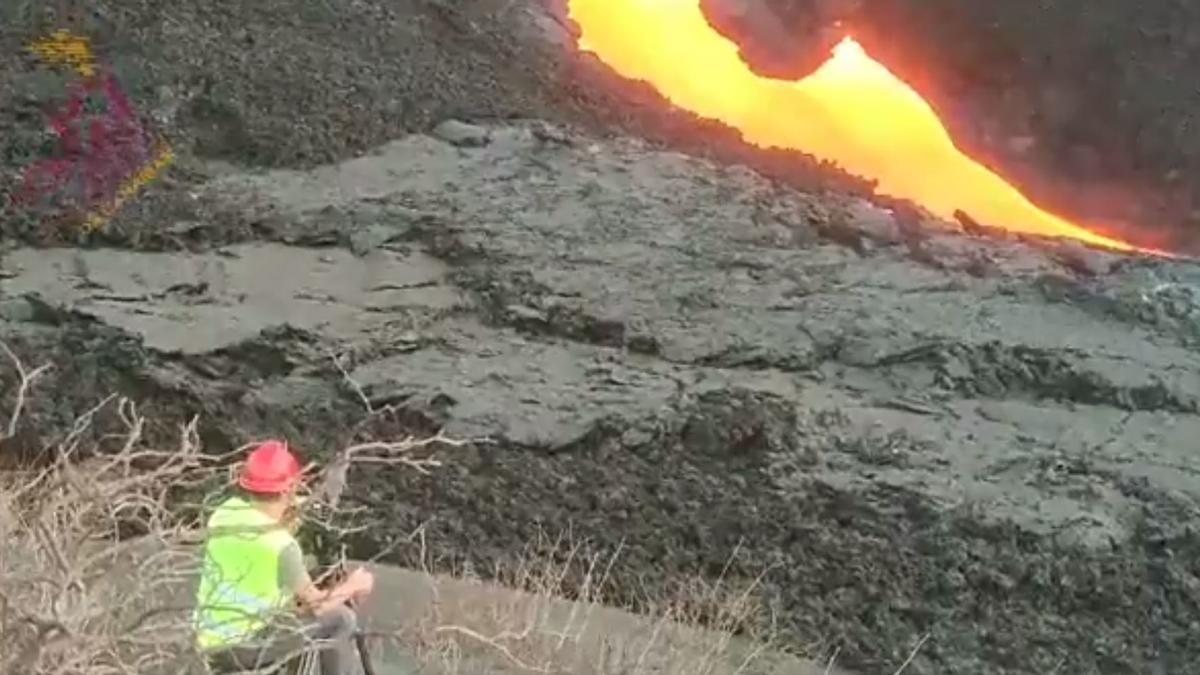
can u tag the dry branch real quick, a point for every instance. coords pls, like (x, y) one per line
(27, 379)
(75, 595)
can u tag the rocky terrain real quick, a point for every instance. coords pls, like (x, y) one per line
(228, 83)
(1087, 107)
(989, 442)
(913, 429)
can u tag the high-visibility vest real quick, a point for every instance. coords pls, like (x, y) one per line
(239, 579)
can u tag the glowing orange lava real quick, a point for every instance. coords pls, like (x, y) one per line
(851, 111)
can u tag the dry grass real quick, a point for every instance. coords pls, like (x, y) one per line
(521, 623)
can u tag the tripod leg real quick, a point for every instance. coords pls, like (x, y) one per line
(360, 642)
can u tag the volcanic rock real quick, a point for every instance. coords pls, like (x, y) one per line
(986, 440)
(461, 134)
(873, 222)
(1003, 462)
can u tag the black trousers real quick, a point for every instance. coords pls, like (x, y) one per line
(331, 634)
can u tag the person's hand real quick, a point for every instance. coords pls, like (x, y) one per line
(361, 582)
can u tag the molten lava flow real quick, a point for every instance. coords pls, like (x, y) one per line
(851, 111)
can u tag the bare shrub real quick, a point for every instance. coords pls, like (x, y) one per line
(91, 557)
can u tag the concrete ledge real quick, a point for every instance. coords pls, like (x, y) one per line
(532, 633)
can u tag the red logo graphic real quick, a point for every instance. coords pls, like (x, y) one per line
(105, 156)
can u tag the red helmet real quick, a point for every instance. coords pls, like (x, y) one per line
(270, 469)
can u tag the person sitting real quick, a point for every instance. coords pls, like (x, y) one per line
(256, 604)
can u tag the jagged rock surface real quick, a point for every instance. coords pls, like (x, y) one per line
(913, 432)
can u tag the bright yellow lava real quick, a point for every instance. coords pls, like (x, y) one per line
(851, 111)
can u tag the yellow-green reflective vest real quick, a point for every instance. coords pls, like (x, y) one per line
(239, 580)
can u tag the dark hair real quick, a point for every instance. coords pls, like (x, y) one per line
(257, 497)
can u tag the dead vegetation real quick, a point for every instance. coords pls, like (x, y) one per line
(521, 616)
(98, 553)
(76, 531)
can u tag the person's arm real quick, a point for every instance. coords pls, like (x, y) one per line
(319, 601)
(294, 577)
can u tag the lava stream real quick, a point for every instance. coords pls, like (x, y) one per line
(851, 111)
